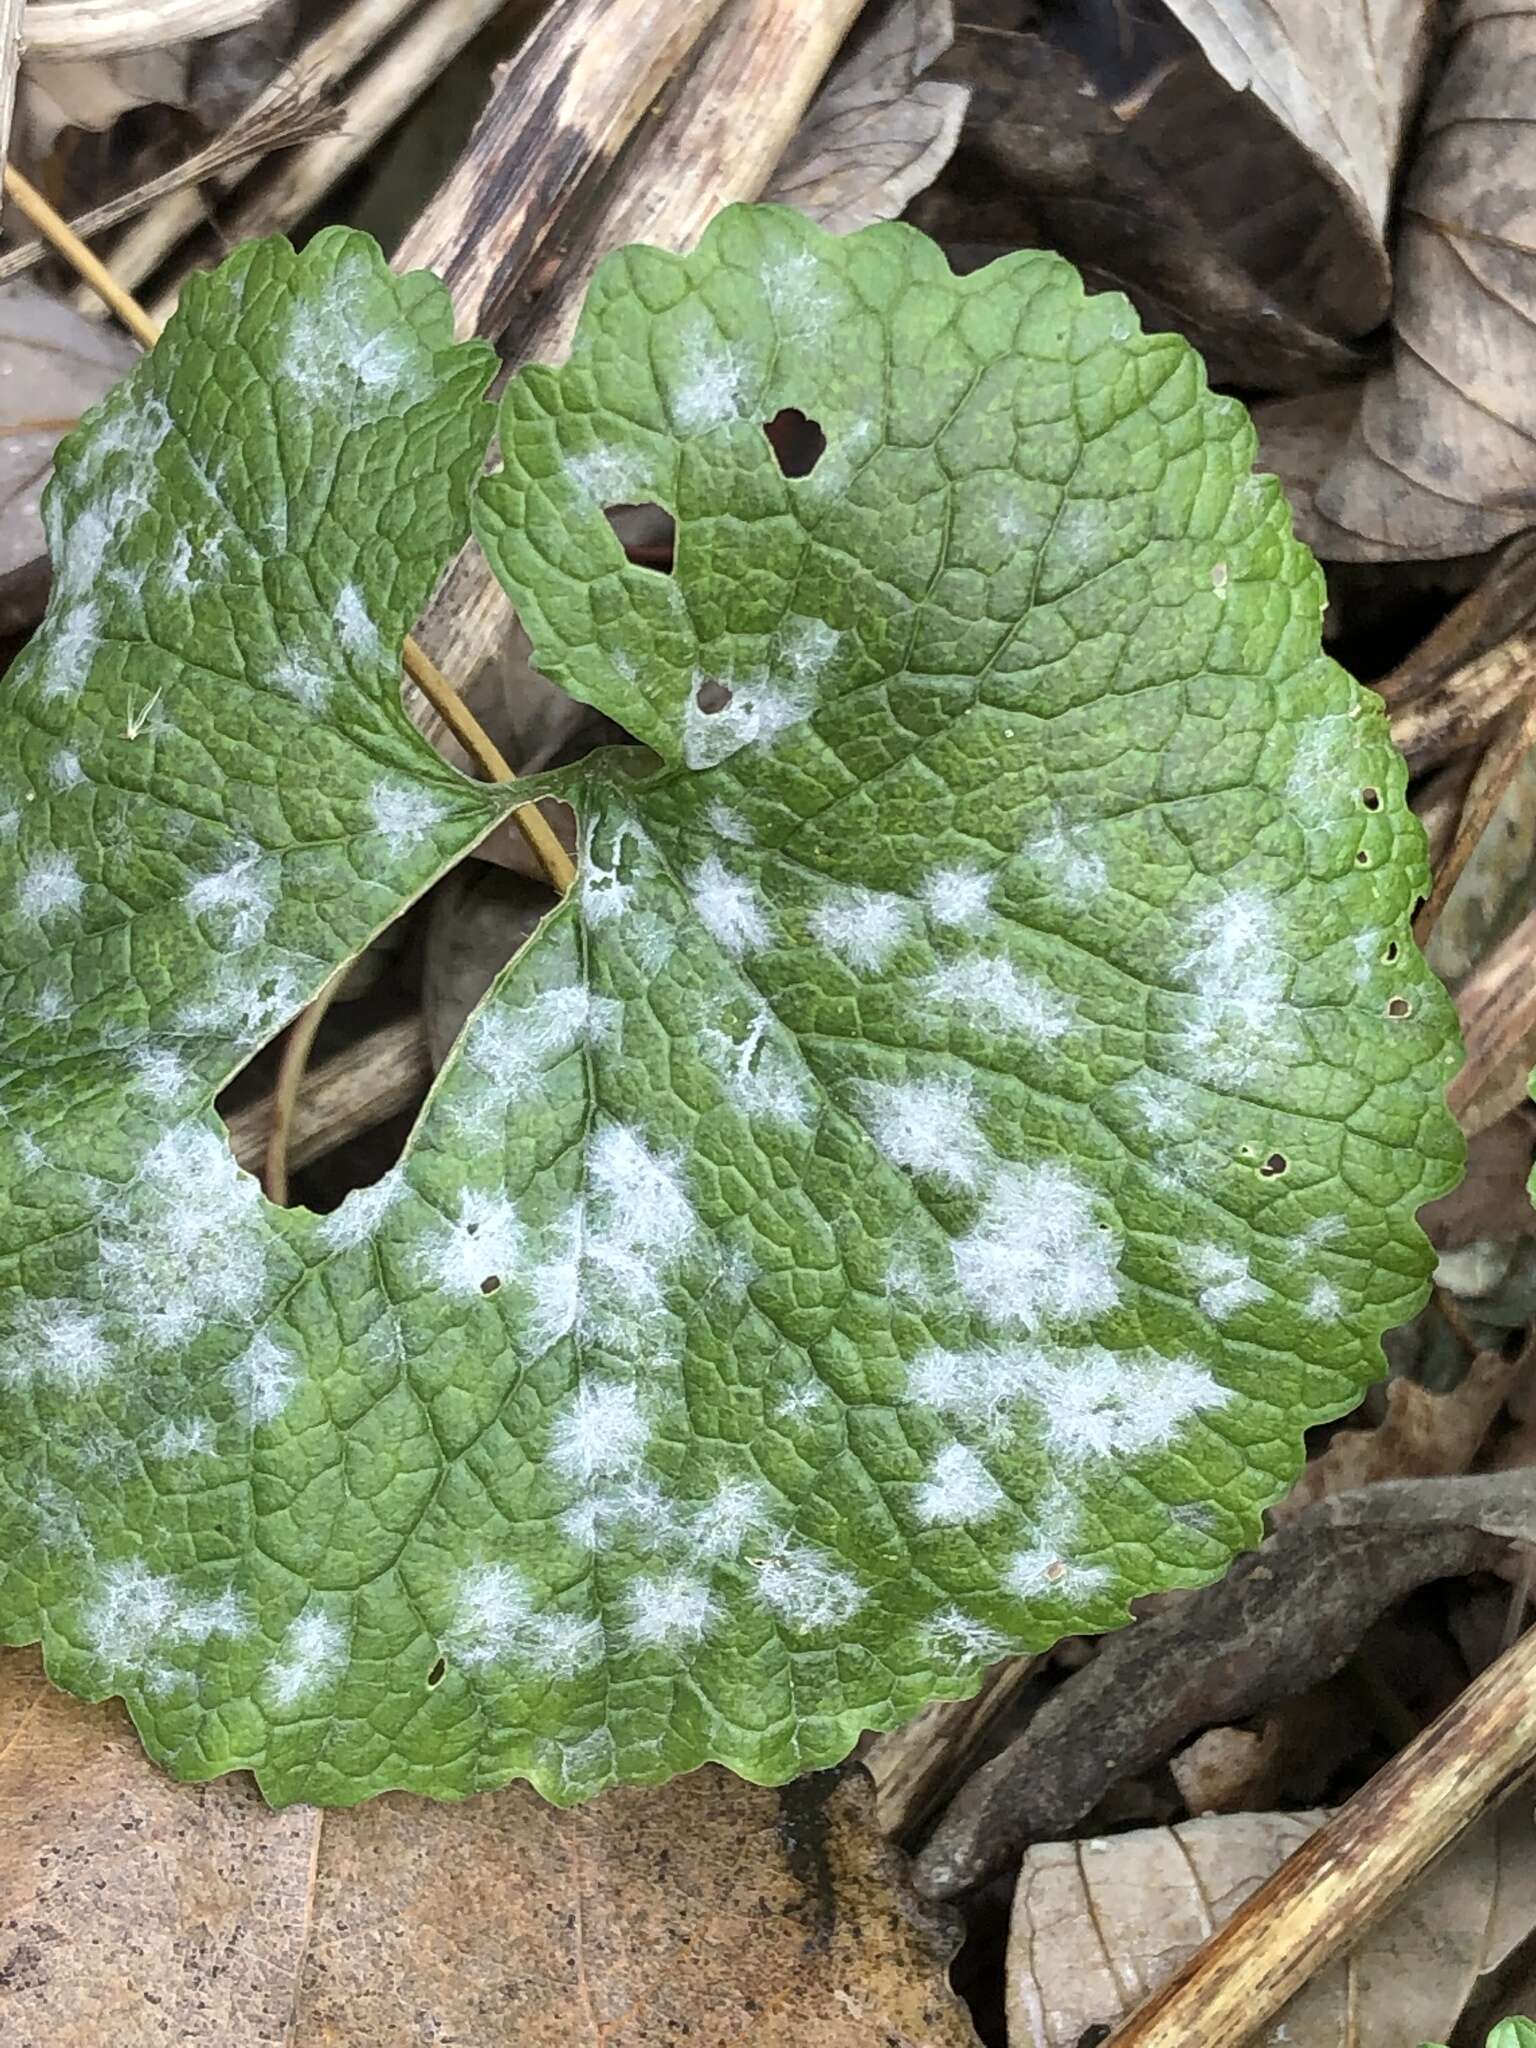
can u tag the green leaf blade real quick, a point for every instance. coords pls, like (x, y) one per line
(847, 1243)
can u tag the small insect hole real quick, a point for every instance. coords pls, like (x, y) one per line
(1371, 798)
(712, 695)
(798, 443)
(1274, 1165)
(491, 1283)
(1399, 1007)
(438, 1672)
(647, 534)
(1362, 859)
(1389, 957)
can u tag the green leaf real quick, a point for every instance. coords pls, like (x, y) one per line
(911, 1198)
(1513, 2033)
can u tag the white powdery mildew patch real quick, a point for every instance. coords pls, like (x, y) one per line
(1097, 1404)
(354, 624)
(495, 1620)
(51, 886)
(610, 476)
(959, 1490)
(759, 711)
(187, 1244)
(51, 1004)
(508, 1051)
(138, 1613)
(1324, 780)
(640, 1219)
(978, 1386)
(481, 1243)
(728, 824)
(808, 1591)
(404, 814)
(1324, 1302)
(736, 1510)
(306, 684)
(863, 927)
(1236, 971)
(960, 898)
(68, 646)
(262, 1379)
(312, 1656)
(798, 303)
(669, 1611)
(727, 906)
(55, 1344)
(361, 1213)
(1044, 1570)
(764, 1076)
(955, 1638)
(162, 1074)
(1072, 867)
(807, 648)
(710, 391)
(600, 1432)
(192, 1436)
(1037, 1253)
(65, 770)
(930, 1128)
(247, 1013)
(236, 901)
(630, 1508)
(1227, 1282)
(991, 994)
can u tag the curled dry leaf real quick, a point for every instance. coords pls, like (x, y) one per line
(1287, 1616)
(1125, 149)
(708, 1910)
(1442, 456)
(878, 132)
(54, 364)
(1099, 1925)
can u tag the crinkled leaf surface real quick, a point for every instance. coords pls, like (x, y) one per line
(908, 1201)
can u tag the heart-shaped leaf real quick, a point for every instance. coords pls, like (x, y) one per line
(911, 1197)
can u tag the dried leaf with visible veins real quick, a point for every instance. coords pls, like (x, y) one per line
(710, 1911)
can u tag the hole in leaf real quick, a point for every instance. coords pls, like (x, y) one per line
(647, 534)
(712, 695)
(1371, 798)
(1362, 859)
(1274, 1165)
(438, 1672)
(491, 1284)
(798, 443)
(1389, 957)
(1399, 1007)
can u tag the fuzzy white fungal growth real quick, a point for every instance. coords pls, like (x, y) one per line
(51, 886)
(610, 476)
(311, 1657)
(978, 1386)
(354, 626)
(728, 824)
(172, 1264)
(10, 822)
(863, 927)
(1074, 870)
(737, 1509)
(1324, 778)
(306, 684)
(959, 898)
(960, 1489)
(64, 770)
(483, 1243)
(640, 1195)
(710, 392)
(806, 648)
(1038, 1253)
(138, 1612)
(601, 1431)
(160, 1072)
(1044, 1570)
(236, 901)
(953, 1637)
(51, 1004)
(1236, 971)
(495, 1618)
(189, 1437)
(361, 1212)
(404, 814)
(670, 1611)
(727, 906)
(69, 642)
(808, 1591)
(263, 1378)
(1228, 1282)
(765, 1076)
(758, 711)
(1325, 1302)
(1097, 1404)
(55, 1344)
(991, 994)
(930, 1128)
(631, 1506)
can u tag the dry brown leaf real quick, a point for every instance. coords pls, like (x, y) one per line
(1098, 1925)
(1442, 457)
(878, 132)
(53, 364)
(134, 1910)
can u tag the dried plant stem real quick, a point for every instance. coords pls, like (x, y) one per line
(386, 91)
(291, 1069)
(314, 73)
(56, 230)
(1497, 1008)
(74, 29)
(1494, 773)
(10, 64)
(290, 120)
(351, 1092)
(1321, 1900)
